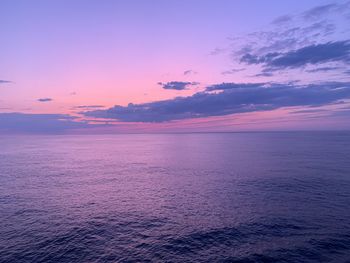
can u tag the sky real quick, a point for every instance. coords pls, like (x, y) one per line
(86, 67)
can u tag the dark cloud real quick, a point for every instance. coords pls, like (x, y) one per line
(314, 54)
(296, 42)
(307, 41)
(285, 39)
(45, 99)
(280, 44)
(229, 98)
(177, 85)
(254, 59)
(39, 123)
(190, 72)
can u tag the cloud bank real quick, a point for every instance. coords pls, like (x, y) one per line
(229, 98)
(40, 123)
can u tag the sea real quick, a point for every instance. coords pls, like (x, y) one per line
(196, 197)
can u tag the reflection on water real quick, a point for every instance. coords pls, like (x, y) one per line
(245, 197)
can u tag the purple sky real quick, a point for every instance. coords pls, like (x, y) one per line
(174, 66)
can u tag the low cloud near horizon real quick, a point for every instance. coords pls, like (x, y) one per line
(17, 122)
(2, 81)
(229, 98)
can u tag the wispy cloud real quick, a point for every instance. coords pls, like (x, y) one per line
(232, 71)
(88, 107)
(282, 19)
(319, 11)
(323, 69)
(232, 85)
(263, 74)
(177, 85)
(308, 111)
(2, 81)
(217, 51)
(229, 98)
(299, 41)
(284, 39)
(190, 72)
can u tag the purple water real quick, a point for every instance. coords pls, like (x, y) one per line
(229, 197)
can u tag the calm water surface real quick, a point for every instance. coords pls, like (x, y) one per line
(235, 197)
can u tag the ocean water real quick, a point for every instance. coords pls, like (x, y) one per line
(226, 197)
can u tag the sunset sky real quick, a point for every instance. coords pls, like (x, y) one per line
(174, 66)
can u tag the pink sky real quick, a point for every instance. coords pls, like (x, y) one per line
(116, 53)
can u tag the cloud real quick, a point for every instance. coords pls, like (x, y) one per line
(284, 39)
(308, 111)
(323, 69)
(282, 19)
(88, 107)
(263, 74)
(39, 123)
(232, 71)
(229, 98)
(232, 85)
(341, 113)
(338, 51)
(177, 85)
(320, 11)
(44, 99)
(190, 72)
(297, 40)
(4, 81)
(217, 51)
